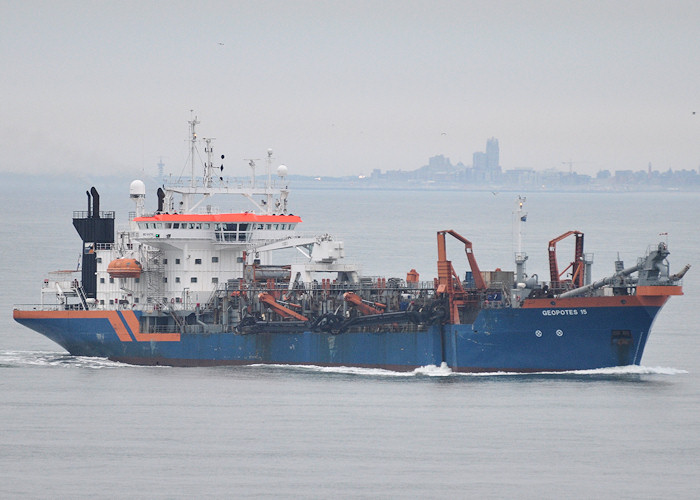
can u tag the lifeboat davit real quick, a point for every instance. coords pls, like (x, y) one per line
(124, 268)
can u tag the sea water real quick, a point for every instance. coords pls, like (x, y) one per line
(77, 427)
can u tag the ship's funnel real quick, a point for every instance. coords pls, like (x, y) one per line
(95, 202)
(161, 197)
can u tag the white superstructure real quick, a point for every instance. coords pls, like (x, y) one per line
(179, 255)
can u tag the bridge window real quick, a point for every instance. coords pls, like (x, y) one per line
(215, 280)
(214, 260)
(193, 279)
(177, 261)
(176, 225)
(197, 261)
(102, 280)
(177, 279)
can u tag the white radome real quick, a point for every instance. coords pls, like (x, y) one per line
(282, 170)
(137, 188)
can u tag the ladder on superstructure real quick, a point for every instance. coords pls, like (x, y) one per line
(155, 274)
(80, 292)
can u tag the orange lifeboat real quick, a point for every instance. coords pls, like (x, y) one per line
(124, 268)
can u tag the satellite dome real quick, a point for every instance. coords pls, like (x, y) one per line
(282, 170)
(137, 188)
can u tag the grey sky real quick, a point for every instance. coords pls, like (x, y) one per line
(344, 87)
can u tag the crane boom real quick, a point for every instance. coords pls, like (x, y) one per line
(442, 257)
(576, 266)
(364, 306)
(270, 301)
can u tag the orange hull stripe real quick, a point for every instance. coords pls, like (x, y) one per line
(133, 323)
(613, 301)
(119, 326)
(659, 290)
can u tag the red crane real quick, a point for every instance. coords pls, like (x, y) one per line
(364, 306)
(449, 282)
(576, 266)
(283, 311)
(445, 269)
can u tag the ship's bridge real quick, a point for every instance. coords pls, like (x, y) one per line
(225, 229)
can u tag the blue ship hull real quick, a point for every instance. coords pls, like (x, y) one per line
(243, 307)
(521, 340)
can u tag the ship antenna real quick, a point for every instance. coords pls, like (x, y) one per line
(209, 165)
(193, 144)
(520, 256)
(268, 188)
(251, 164)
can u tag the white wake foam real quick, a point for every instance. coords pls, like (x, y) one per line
(434, 371)
(445, 371)
(429, 370)
(631, 370)
(343, 370)
(614, 371)
(58, 359)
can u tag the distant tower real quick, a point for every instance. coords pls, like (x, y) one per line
(160, 167)
(479, 160)
(492, 154)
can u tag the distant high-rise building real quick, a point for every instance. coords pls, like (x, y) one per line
(479, 161)
(439, 162)
(161, 165)
(492, 154)
(486, 166)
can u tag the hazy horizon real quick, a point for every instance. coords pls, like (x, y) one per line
(341, 88)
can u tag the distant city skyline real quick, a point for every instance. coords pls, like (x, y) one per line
(342, 88)
(486, 170)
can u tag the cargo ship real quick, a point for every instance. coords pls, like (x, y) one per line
(189, 285)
